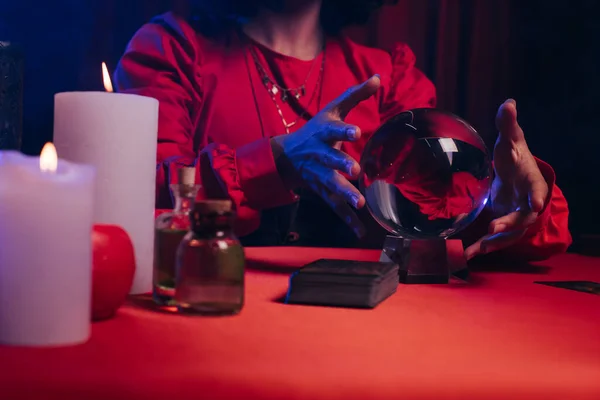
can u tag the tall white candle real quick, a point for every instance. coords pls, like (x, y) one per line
(46, 222)
(117, 134)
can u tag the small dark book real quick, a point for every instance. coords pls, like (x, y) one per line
(343, 283)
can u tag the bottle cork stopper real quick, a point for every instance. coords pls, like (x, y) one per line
(187, 176)
(213, 206)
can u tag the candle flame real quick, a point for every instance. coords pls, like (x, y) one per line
(48, 158)
(106, 78)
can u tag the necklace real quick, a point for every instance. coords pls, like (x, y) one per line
(271, 84)
(273, 89)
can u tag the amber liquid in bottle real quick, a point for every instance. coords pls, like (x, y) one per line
(210, 263)
(170, 229)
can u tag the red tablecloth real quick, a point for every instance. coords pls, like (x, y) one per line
(499, 337)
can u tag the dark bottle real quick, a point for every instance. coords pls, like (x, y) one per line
(170, 228)
(12, 64)
(210, 262)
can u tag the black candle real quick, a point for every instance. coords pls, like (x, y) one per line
(11, 96)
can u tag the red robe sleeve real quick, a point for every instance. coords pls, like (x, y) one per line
(407, 88)
(163, 61)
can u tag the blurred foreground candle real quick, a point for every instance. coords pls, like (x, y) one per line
(46, 213)
(117, 134)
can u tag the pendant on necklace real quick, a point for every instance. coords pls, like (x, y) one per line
(288, 126)
(274, 90)
(284, 96)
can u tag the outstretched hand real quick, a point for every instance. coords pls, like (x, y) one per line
(313, 157)
(519, 190)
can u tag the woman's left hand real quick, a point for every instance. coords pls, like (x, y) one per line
(519, 190)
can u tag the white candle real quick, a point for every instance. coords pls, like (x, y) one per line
(46, 217)
(117, 134)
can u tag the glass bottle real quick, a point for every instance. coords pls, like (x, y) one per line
(170, 228)
(210, 262)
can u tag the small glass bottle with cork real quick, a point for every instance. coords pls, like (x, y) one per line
(210, 262)
(170, 228)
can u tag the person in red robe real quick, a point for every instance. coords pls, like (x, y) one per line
(273, 105)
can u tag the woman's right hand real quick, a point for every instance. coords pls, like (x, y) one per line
(310, 156)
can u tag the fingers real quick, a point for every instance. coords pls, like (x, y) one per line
(503, 232)
(345, 212)
(318, 176)
(538, 193)
(341, 106)
(521, 219)
(338, 160)
(506, 122)
(492, 243)
(337, 192)
(339, 186)
(337, 131)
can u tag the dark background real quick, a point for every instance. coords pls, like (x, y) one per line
(545, 54)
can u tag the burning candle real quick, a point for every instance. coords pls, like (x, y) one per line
(45, 249)
(117, 134)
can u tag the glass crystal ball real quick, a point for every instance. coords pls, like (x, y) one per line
(426, 174)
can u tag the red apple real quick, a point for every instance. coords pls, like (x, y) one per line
(113, 270)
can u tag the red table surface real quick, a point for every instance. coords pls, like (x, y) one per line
(500, 336)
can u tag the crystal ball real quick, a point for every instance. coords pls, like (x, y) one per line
(426, 174)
